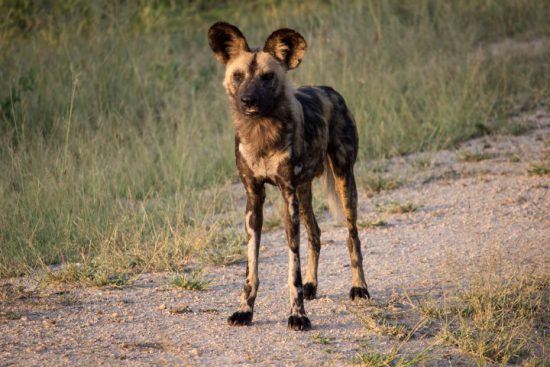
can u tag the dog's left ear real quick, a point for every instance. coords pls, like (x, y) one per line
(287, 46)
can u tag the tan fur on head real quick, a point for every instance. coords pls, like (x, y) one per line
(266, 63)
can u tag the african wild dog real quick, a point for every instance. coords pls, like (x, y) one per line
(287, 137)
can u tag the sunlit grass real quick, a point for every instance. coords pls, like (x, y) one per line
(113, 120)
(85, 274)
(193, 281)
(497, 321)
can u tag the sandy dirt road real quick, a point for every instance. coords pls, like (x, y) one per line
(472, 215)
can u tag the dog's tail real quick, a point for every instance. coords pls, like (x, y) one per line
(334, 203)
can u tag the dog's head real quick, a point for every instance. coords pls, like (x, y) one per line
(255, 78)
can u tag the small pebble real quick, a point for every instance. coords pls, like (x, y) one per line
(48, 322)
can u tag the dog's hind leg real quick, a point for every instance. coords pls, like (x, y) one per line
(253, 224)
(314, 240)
(347, 190)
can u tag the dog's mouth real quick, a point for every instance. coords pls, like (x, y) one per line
(256, 111)
(252, 111)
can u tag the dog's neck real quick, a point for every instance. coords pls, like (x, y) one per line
(274, 132)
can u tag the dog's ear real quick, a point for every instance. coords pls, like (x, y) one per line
(287, 46)
(227, 41)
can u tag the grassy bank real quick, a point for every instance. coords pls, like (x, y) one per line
(493, 321)
(116, 145)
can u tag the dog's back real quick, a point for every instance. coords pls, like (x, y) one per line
(326, 112)
(325, 108)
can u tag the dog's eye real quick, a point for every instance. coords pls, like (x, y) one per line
(238, 77)
(267, 77)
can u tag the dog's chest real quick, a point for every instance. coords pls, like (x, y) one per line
(266, 165)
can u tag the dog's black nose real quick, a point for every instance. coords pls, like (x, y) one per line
(249, 100)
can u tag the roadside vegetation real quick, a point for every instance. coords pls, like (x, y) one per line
(495, 320)
(194, 281)
(116, 143)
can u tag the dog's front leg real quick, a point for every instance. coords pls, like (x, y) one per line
(253, 224)
(297, 319)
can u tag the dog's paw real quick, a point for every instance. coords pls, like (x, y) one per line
(300, 323)
(358, 292)
(310, 291)
(240, 318)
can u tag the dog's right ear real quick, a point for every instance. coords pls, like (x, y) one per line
(227, 41)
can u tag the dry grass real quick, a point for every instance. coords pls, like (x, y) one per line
(422, 163)
(495, 320)
(10, 294)
(469, 156)
(397, 319)
(503, 322)
(374, 183)
(113, 121)
(385, 318)
(271, 222)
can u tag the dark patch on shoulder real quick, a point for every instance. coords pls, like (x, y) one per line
(312, 107)
(309, 99)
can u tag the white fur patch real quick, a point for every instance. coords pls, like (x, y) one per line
(291, 211)
(263, 167)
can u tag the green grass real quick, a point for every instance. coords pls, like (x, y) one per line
(468, 156)
(538, 169)
(194, 281)
(374, 183)
(392, 359)
(116, 142)
(394, 207)
(85, 274)
(373, 223)
(319, 339)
